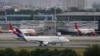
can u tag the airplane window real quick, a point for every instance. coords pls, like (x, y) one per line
(28, 34)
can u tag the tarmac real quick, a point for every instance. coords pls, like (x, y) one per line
(9, 40)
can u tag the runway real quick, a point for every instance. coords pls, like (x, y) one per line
(72, 44)
(75, 42)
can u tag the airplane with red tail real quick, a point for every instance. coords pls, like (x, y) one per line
(84, 31)
(42, 40)
(25, 31)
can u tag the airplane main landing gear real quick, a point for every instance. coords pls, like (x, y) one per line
(43, 44)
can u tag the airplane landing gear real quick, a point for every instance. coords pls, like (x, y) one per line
(41, 44)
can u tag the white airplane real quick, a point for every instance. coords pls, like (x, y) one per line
(12, 30)
(84, 31)
(42, 40)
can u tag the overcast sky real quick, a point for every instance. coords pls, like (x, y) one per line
(98, 1)
(32, 1)
(25, 1)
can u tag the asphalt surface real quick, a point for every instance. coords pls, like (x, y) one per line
(9, 40)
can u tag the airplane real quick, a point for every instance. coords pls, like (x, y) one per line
(84, 31)
(78, 31)
(42, 40)
(12, 30)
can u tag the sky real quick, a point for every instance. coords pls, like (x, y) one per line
(26, 1)
(30, 2)
(33, 0)
(97, 1)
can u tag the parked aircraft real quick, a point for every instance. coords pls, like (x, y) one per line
(42, 40)
(13, 30)
(84, 31)
(78, 31)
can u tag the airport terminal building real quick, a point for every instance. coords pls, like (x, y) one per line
(64, 20)
(87, 19)
(79, 16)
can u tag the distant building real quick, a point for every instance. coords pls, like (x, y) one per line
(81, 4)
(63, 4)
(46, 4)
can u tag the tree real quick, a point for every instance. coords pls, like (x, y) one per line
(9, 52)
(23, 52)
(92, 51)
(68, 52)
(55, 52)
(40, 52)
(35, 53)
(1, 52)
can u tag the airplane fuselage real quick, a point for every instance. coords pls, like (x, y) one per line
(85, 31)
(49, 39)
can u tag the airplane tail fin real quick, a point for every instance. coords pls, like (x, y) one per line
(94, 33)
(16, 31)
(77, 28)
(76, 25)
(10, 26)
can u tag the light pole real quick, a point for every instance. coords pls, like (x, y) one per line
(55, 17)
(55, 20)
(5, 12)
(5, 16)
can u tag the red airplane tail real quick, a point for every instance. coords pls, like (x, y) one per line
(11, 28)
(76, 25)
(77, 28)
(94, 33)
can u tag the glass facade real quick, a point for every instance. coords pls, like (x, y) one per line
(18, 18)
(10, 18)
(78, 18)
(26, 17)
(43, 17)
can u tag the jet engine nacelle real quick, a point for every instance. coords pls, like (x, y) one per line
(45, 43)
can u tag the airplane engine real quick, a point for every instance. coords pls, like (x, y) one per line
(45, 43)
